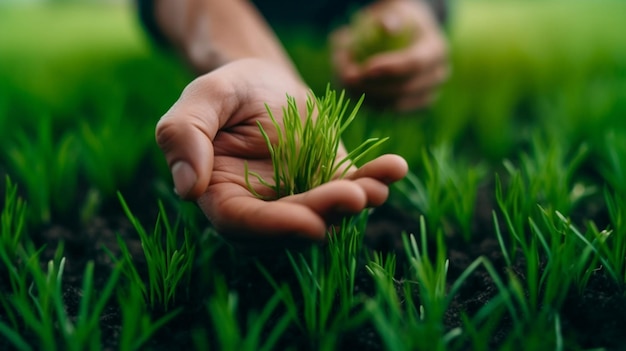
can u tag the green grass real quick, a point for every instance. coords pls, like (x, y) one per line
(306, 153)
(534, 112)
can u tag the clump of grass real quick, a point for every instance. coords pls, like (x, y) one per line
(47, 166)
(447, 190)
(370, 36)
(262, 330)
(38, 309)
(12, 224)
(168, 265)
(612, 241)
(305, 152)
(137, 324)
(326, 285)
(409, 312)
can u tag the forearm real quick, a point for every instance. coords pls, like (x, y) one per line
(210, 33)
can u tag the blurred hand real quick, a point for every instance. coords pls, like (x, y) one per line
(404, 79)
(210, 132)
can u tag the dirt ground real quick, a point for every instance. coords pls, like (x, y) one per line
(594, 318)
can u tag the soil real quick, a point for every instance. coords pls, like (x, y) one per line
(593, 318)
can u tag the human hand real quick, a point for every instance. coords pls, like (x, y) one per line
(210, 132)
(404, 79)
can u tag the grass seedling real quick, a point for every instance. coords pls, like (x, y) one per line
(12, 224)
(47, 167)
(448, 189)
(544, 180)
(612, 242)
(16, 253)
(546, 177)
(325, 284)
(169, 266)
(305, 152)
(112, 150)
(262, 330)
(409, 313)
(613, 167)
(42, 313)
(557, 258)
(138, 325)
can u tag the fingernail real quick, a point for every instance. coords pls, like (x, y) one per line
(184, 178)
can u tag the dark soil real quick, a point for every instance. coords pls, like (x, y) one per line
(593, 318)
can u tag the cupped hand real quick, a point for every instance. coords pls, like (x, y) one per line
(404, 79)
(211, 131)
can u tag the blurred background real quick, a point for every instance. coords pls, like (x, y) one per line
(81, 89)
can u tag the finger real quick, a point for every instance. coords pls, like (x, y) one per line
(336, 200)
(333, 199)
(238, 214)
(376, 191)
(419, 57)
(415, 102)
(385, 88)
(386, 168)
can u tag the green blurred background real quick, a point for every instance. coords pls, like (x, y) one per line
(81, 89)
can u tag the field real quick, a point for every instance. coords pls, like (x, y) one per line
(509, 233)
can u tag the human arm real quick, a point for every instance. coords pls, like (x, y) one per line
(211, 33)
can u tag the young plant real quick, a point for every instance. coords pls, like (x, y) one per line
(169, 266)
(558, 258)
(262, 330)
(137, 324)
(409, 313)
(305, 153)
(48, 168)
(613, 161)
(545, 180)
(42, 312)
(448, 190)
(112, 147)
(326, 285)
(612, 242)
(12, 225)
(547, 177)
(16, 255)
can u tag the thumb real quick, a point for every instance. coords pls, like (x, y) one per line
(185, 135)
(189, 154)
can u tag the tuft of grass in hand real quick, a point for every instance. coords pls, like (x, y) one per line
(370, 36)
(305, 153)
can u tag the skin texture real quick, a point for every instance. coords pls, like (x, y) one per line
(210, 132)
(215, 119)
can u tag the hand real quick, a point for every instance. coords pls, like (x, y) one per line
(210, 132)
(405, 79)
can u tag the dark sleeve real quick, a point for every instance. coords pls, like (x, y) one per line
(147, 19)
(441, 9)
